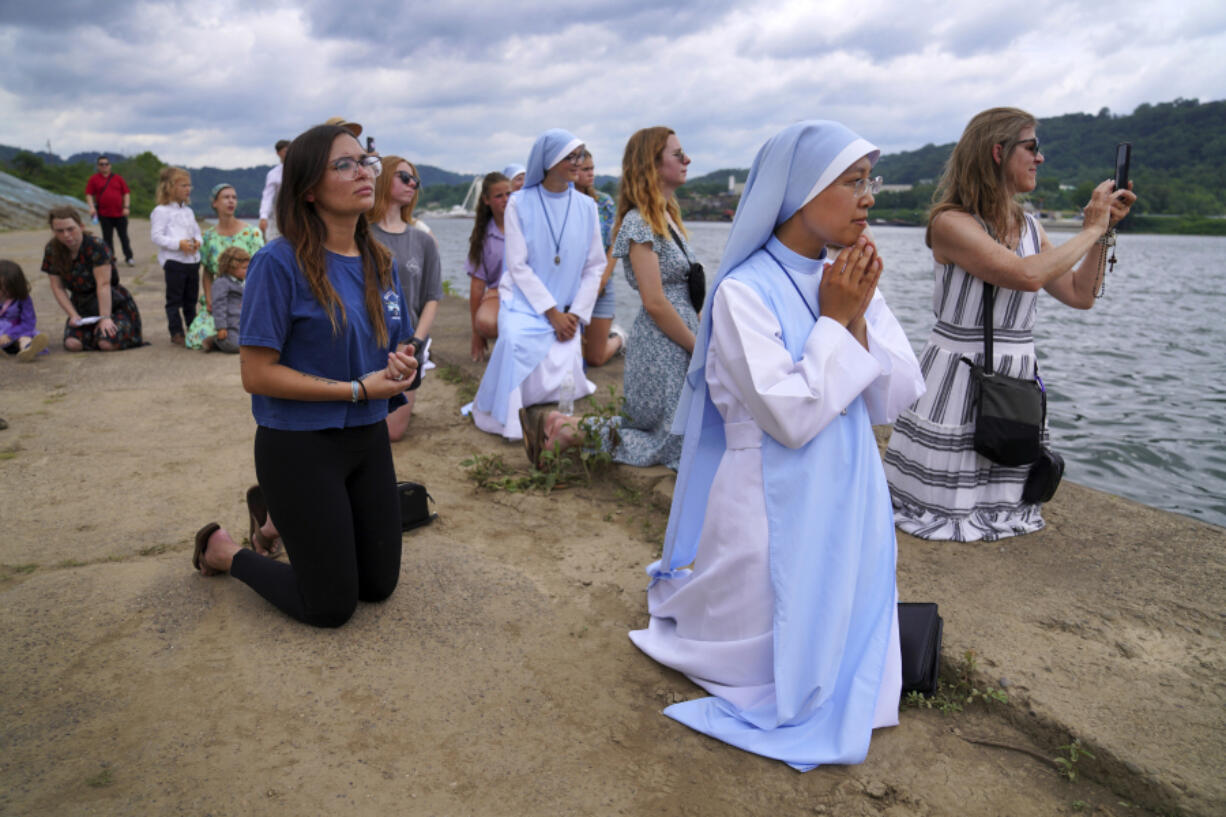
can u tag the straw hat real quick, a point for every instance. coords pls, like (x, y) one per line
(352, 127)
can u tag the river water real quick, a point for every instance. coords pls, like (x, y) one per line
(1136, 385)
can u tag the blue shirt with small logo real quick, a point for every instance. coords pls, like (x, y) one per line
(279, 312)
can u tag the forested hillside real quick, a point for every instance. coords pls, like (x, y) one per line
(1178, 158)
(1178, 165)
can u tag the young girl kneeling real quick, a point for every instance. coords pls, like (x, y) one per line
(19, 333)
(776, 588)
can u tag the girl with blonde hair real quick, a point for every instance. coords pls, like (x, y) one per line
(175, 233)
(980, 237)
(417, 263)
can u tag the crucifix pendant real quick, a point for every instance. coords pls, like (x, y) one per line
(557, 259)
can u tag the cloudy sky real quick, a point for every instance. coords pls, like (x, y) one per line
(467, 85)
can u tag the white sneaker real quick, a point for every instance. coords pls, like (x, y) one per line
(616, 331)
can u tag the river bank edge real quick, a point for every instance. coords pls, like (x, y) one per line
(1105, 628)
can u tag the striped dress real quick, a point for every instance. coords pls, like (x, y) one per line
(941, 488)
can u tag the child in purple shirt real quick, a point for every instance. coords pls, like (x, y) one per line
(484, 262)
(18, 333)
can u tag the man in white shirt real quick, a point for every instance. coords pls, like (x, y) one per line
(268, 201)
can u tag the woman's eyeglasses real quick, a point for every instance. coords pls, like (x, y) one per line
(866, 185)
(351, 168)
(408, 179)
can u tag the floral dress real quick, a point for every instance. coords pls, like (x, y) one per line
(82, 288)
(655, 365)
(211, 247)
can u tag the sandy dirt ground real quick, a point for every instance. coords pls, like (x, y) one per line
(498, 679)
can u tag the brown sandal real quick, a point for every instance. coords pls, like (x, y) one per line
(202, 544)
(533, 433)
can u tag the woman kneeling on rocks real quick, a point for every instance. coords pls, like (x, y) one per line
(323, 330)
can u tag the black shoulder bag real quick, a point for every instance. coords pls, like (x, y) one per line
(1010, 414)
(695, 278)
(1009, 411)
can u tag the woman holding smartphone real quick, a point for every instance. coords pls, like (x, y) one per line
(324, 327)
(941, 488)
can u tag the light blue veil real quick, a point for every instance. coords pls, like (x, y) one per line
(548, 149)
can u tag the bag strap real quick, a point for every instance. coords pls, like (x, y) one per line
(680, 246)
(989, 309)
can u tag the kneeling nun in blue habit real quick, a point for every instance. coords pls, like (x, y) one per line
(776, 589)
(553, 261)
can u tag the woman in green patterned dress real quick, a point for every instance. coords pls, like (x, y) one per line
(228, 232)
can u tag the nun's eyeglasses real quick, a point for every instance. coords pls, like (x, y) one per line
(408, 179)
(866, 185)
(350, 167)
(574, 157)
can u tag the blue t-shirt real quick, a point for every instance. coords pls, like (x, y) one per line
(279, 312)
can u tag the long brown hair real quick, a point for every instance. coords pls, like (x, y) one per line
(973, 181)
(306, 162)
(640, 185)
(383, 191)
(13, 281)
(476, 241)
(166, 181)
(61, 258)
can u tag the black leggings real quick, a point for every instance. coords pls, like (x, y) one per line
(332, 496)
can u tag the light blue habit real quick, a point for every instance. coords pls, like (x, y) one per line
(553, 224)
(830, 524)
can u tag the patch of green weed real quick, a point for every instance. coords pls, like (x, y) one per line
(956, 689)
(1073, 752)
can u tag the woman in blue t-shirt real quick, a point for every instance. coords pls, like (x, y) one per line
(323, 329)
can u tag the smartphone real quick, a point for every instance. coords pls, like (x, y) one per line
(370, 148)
(1123, 158)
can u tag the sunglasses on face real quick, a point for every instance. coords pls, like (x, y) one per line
(408, 179)
(1031, 145)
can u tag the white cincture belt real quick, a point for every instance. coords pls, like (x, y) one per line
(745, 434)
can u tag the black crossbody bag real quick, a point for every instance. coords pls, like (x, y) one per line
(1010, 414)
(1009, 411)
(695, 277)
